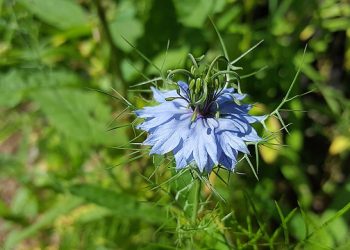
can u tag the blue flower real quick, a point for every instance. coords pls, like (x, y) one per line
(204, 133)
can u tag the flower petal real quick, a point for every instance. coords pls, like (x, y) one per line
(160, 96)
(234, 141)
(183, 87)
(228, 162)
(206, 141)
(180, 158)
(170, 135)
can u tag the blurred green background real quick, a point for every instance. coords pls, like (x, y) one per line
(68, 182)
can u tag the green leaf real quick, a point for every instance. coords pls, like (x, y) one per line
(16, 84)
(338, 227)
(81, 116)
(194, 13)
(122, 205)
(62, 14)
(125, 25)
(171, 60)
(341, 198)
(11, 85)
(332, 97)
(296, 176)
(295, 140)
(62, 206)
(93, 213)
(332, 219)
(297, 227)
(337, 24)
(24, 203)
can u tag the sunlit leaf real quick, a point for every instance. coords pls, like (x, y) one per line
(120, 204)
(62, 206)
(79, 115)
(125, 26)
(63, 14)
(270, 152)
(339, 144)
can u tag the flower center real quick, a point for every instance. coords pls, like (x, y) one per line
(208, 108)
(206, 83)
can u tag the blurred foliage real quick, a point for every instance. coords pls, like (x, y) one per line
(64, 185)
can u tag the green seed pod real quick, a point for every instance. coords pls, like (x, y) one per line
(193, 70)
(198, 86)
(204, 93)
(192, 84)
(216, 83)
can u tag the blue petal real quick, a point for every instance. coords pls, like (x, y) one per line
(239, 97)
(207, 141)
(160, 96)
(237, 124)
(254, 118)
(227, 149)
(180, 158)
(157, 115)
(154, 122)
(163, 109)
(252, 136)
(209, 166)
(177, 124)
(233, 108)
(212, 123)
(170, 135)
(201, 143)
(236, 110)
(228, 162)
(234, 141)
(183, 87)
(228, 95)
(198, 149)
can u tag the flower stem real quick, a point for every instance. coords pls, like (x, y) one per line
(196, 200)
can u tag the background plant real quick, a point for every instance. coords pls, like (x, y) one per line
(64, 186)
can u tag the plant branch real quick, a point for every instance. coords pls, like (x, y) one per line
(196, 201)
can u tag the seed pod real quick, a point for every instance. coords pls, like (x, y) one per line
(192, 84)
(204, 93)
(193, 70)
(216, 83)
(198, 86)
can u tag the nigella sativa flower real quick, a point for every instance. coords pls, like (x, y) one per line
(203, 123)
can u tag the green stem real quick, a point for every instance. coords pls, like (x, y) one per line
(196, 201)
